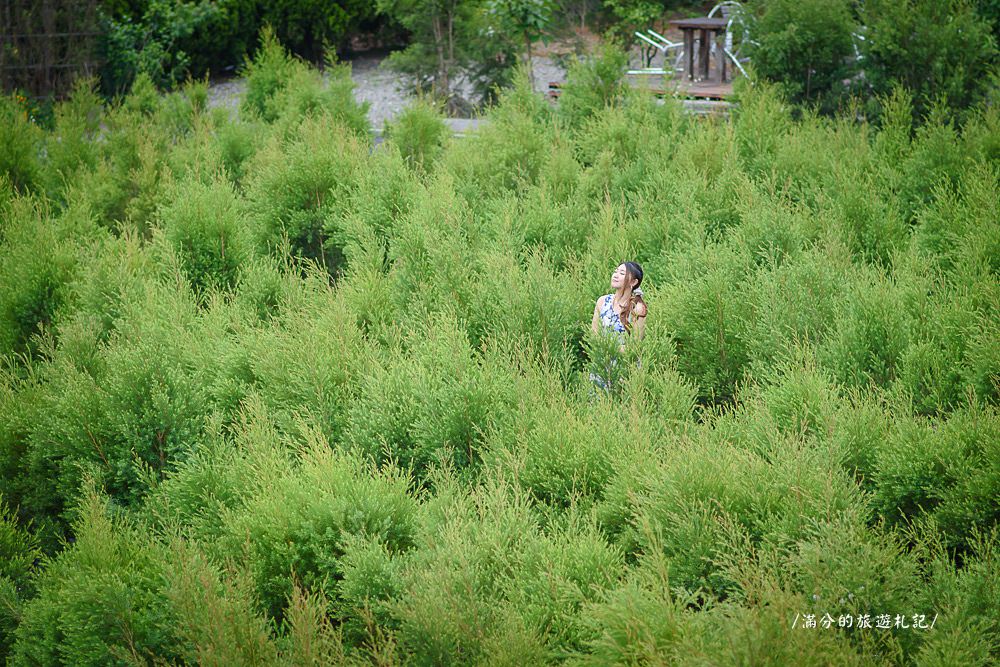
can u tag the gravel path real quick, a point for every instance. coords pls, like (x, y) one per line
(383, 88)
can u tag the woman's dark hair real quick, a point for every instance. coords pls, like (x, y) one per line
(632, 271)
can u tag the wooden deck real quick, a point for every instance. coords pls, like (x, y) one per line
(701, 90)
(698, 90)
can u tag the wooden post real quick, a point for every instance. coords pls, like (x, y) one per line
(704, 56)
(689, 49)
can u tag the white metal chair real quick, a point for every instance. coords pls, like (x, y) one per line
(664, 45)
(857, 39)
(735, 15)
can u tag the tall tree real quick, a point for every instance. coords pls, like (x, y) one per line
(435, 53)
(527, 20)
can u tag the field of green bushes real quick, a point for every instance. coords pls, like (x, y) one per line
(272, 393)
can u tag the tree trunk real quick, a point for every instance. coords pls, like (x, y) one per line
(527, 49)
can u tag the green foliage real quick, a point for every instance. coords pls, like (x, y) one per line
(436, 403)
(267, 73)
(171, 40)
(149, 44)
(339, 402)
(301, 189)
(591, 85)
(420, 134)
(19, 553)
(806, 46)
(39, 260)
(449, 39)
(20, 140)
(946, 469)
(294, 528)
(307, 28)
(202, 222)
(938, 50)
(527, 20)
(99, 601)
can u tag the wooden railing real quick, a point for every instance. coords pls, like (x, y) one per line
(46, 44)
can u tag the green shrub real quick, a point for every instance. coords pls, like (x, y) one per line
(871, 333)
(568, 458)
(639, 621)
(959, 229)
(420, 133)
(680, 502)
(202, 222)
(794, 304)
(806, 47)
(20, 138)
(557, 578)
(937, 50)
(73, 145)
(964, 596)
(710, 322)
(761, 122)
(267, 73)
(307, 94)
(625, 147)
(944, 468)
(149, 44)
(39, 261)
(217, 622)
(306, 368)
(99, 601)
(844, 568)
(508, 153)
(453, 609)
(935, 160)
(19, 552)
(301, 189)
(293, 529)
(935, 369)
(127, 413)
(435, 403)
(550, 304)
(591, 85)
(113, 271)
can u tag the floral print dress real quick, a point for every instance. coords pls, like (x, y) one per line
(609, 318)
(610, 322)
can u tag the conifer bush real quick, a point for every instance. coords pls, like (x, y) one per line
(508, 153)
(420, 133)
(292, 530)
(306, 371)
(100, 602)
(591, 85)
(202, 222)
(942, 468)
(299, 189)
(267, 73)
(73, 145)
(710, 322)
(19, 159)
(20, 551)
(39, 262)
(871, 333)
(795, 303)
